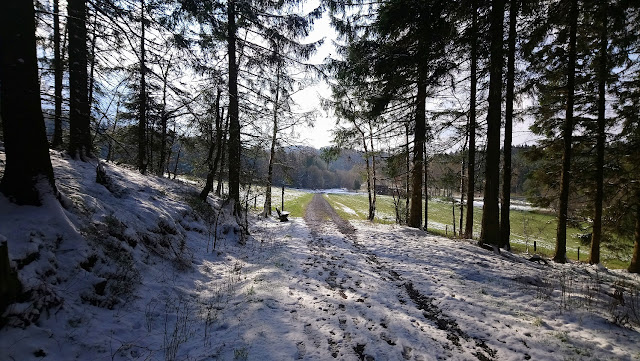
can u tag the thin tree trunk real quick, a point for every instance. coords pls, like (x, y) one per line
(164, 119)
(57, 82)
(407, 174)
(426, 188)
(490, 233)
(92, 65)
(223, 145)
(634, 267)
(453, 215)
(213, 163)
(505, 225)
(28, 165)
(372, 211)
(79, 120)
(142, 116)
(113, 130)
(175, 168)
(415, 213)
(471, 166)
(567, 133)
(462, 171)
(596, 236)
(272, 150)
(234, 120)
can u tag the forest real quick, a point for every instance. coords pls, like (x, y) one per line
(427, 98)
(207, 88)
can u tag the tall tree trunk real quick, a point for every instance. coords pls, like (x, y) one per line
(490, 232)
(372, 206)
(505, 224)
(567, 134)
(234, 117)
(596, 235)
(93, 61)
(274, 139)
(407, 174)
(211, 160)
(142, 107)
(57, 81)
(79, 120)
(113, 131)
(175, 168)
(634, 267)
(471, 164)
(462, 172)
(426, 187)
(415, 213)
(223, 148)
(28, 165)
(371, 214)
(164, 119)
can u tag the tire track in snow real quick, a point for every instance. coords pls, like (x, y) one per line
(339, 259)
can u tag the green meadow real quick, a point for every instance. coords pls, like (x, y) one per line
(527, 227)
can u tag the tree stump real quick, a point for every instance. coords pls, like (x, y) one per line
(10, 287)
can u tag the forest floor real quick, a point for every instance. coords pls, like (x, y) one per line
(129, 272)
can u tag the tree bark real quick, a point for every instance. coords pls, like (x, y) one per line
(505, 224)
(223, 147)
(634, 267)
(471, 164)
(415, 213)
(142, 106)
(234, 116)
(10, 286)
(596, 235)
(462, 171)
(57, 81)
(164, 119)
(92, 66)
(372, 205)
(408, 174)
(490, 232)
(79, 111)
(426, 186)
(272, 150)
(567, 133)
(213, 163)
(28, 165)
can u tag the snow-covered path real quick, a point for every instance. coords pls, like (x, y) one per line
(318, 288)
(392, 293)
(379, 314)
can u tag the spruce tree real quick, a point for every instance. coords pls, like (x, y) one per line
(28, 173)
(490, 232)
(79, 109)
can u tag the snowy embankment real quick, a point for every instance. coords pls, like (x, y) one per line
(130, 274)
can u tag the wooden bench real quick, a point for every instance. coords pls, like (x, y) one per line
(283, 216)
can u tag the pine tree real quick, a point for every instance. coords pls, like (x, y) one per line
(28, 173)
(58, 73)
(414, 41)
(603, 72)
(142, 100)
(505, 227)
(79, 114)
(471, 166)
(490, 232)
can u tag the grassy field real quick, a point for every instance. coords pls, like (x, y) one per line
(295, 200)
(527, 227)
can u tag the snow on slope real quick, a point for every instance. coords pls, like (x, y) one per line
(129, 274)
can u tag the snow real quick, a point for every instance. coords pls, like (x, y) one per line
(384, 292)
